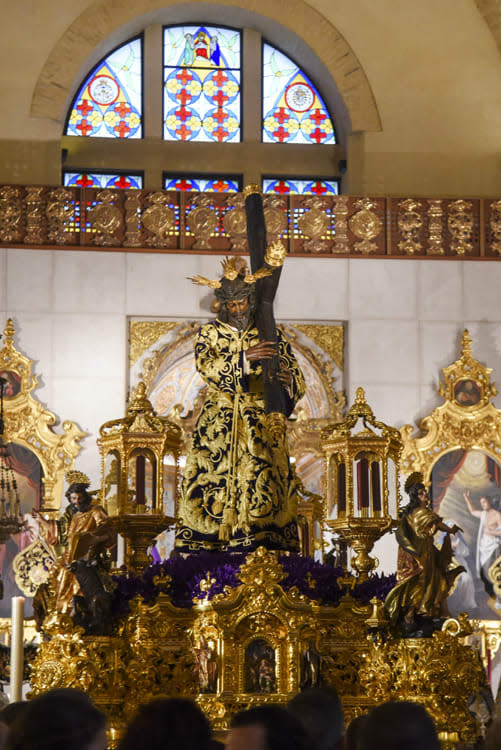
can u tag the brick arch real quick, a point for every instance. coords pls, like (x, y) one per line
(108, 22)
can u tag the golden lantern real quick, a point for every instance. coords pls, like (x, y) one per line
(362, 471)
(136, 453)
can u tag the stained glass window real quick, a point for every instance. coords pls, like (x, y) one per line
(293, 110)
(99, 180)
(204, 184)
(288, 186)
(109, 104)
(201, 84)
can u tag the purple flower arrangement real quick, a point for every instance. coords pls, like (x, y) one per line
(183, 576)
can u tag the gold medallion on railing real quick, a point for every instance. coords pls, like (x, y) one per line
(410, 222)
(366, 225)
(158, 219)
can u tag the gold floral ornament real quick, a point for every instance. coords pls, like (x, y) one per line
(232, 268)
(77, 477)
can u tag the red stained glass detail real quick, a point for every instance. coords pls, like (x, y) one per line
(183, 185)
(219, 78)
(221, 186)
(317, 116)
(281, 134)
(122, 129)
(281, 115)
(220, 98)
(84, 127)
(184, 76)
(183, 96)
(122, 182)
(220, 133)
(122, 109)
(183, 132)
(182, 113)
(84, 181)
(281, 187)
(220, 116)
(318, 188)
(85, 108)
(318, 135)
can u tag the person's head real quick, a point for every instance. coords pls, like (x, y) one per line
(320, 712)
(170, 724)
(59, 720)
(9, 714)
(485, 503)
(78, 496)
(397, 725)
(418, 496)
(266, 728)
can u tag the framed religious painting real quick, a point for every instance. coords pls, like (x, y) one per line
(459, 455)
(33, 462)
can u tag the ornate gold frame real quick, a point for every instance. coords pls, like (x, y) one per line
(455, 425)
(29, 424)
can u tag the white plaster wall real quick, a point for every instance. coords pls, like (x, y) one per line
(404, 322)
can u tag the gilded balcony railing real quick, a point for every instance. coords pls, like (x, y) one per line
(162, 221)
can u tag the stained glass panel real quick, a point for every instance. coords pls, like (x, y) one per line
(300, 187)
(109, 104)
(216, 184)
(98, 180)
(201, 84)
(293, 110)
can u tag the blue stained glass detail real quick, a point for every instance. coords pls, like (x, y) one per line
(219, 184)
(300, 187)
(109, 103)
(201, 84)
(97, 180)
(293, 110)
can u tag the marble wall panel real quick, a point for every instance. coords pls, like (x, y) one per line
(482, 295)
(313, 289)
(382, 289)
(89, 346)
(89, 282)
(157, 285)
(29, 277)
(439, 346)
(440, 290)
(383, 352)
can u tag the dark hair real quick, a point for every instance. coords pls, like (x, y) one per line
(320, 712)
(282, 730)
(170, 724)
(396, 725)
(80, 489)
(57, 720)
(353, 732)
(414, 501)
(9, 714)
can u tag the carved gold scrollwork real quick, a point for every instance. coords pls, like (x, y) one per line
(410, 222)
(35, 224)
(435, 228)
(460, 224)
(340, 208)
(132, 219)
(314, 223)
(495, 226)
(235, 222)
(202, 221)
(106, 219)
(366, 225)
(11, 212)
(275, 215)
(60, 213)
(159, 219)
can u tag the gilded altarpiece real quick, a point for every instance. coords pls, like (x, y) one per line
(458, 452)
(161, 353)
(40, 457)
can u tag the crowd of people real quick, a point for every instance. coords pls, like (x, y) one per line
(66, 719)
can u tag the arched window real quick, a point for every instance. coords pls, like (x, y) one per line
(235, 109)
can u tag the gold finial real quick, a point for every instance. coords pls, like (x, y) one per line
(275, 254)
(9, 332)
(77, 477)
(139, 402)
(232, 267)
(360, 407)
(251, 189)
(466, 343)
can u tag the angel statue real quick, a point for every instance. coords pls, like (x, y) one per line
(418, 603)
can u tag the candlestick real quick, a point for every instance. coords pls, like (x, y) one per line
(17, 648)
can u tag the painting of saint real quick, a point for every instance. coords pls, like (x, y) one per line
(466, 490)
(12, 384)
(467, 392)
(28, 474)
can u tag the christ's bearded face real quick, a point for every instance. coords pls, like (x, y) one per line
(239, 313)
